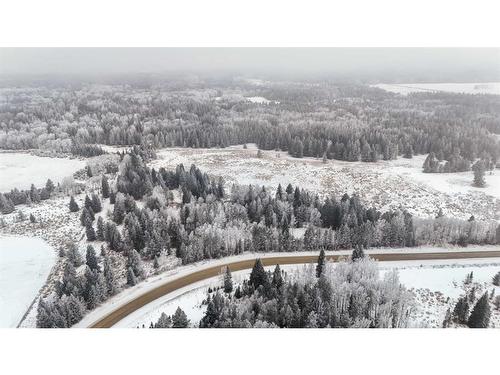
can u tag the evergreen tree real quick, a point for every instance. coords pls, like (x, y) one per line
(320, 266)
(73, 206)
(104, 186)
(100, 229)
(90, 232)
(358, 253)
(109, 276)
(32, 218)
(119, 211)
(258, 276)
(73, 255)
(179, 319)
(96, 203)
(91, 258)
(496, 279)
(88, 202)
(238, 294)
(277, 278)
(461, 310)
(480, 315)
(479, 171)
(165, 321)
(131, 279)
(228, 281)
(49, 186)
(135, 263)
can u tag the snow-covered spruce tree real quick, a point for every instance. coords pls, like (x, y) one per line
(135, 263)
(258, 276)
(32, 218)
(73, 255)
(179, 319)
(164, 321)
(90, 232)
(228, 281)
(104, 186)
(358, 253)
(479, 171)
(91, 258)
(100, 229)
(320, 266)
(277, 278)
(110, 278)
(461, 310)
(480, 315)
(73, 206)
(131, 279)
(496, 279)
(49, 186)
(96, 203)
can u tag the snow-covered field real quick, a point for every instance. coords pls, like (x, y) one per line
(20, 170)
(25, 263)
(260, 100)
(385, 184)
(436, 284)
(459, 88)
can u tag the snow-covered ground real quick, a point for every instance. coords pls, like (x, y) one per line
(385, 184)
(459, 88)
(260, 100)
(25, 263)
(437, 285)
(20, 170)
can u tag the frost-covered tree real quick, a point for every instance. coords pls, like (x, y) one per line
(90, 232)
(320, 266)
(73, 206)
(479, 172)
(480, 315)
(104, 186)
(179, 319)
(228, 281)
(91, 258)
(131, 278)
(73, 255)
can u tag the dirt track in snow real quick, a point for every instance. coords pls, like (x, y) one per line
(121, 312)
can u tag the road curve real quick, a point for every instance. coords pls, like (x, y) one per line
(127, 308)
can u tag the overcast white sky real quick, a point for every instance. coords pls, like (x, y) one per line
(415, 62)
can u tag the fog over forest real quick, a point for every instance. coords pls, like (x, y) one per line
(363, 64)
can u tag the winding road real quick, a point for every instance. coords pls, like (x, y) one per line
(127, 308)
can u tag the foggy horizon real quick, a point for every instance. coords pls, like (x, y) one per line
(414, 64)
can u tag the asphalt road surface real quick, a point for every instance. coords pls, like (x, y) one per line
(127, 308)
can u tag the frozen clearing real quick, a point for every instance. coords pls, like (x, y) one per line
(385, 184)
(458, 88)
(25, 263)
(20, 170)
(436, 285)
(260, 100)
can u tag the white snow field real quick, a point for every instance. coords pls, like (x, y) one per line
(260, 100)
(385, 184)
(458, 88)
(25, 263)
(20, 170)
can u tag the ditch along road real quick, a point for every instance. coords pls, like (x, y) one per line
(129, 307)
